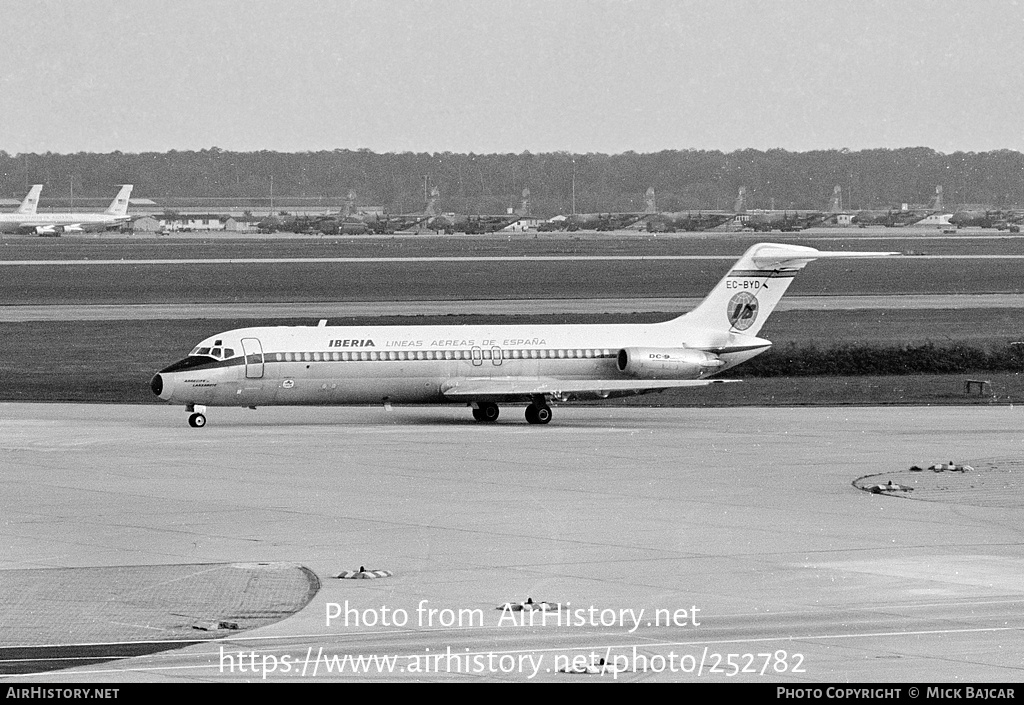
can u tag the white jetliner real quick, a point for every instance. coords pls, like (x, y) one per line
(56, 223)
(483, 365)
(31, 202)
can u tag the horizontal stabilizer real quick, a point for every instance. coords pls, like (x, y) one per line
(770, 256)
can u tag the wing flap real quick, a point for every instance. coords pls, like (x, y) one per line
(525, 389)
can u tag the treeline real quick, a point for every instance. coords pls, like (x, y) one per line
(847, 359)
(490, 183)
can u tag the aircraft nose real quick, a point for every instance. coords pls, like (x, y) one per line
(157, 384)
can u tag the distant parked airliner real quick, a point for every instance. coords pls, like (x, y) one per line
(26, 220)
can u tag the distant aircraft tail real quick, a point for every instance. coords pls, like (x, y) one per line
(431, 207)
(349, 205)
(746, 296)
(31, 202)
(836, 204)
(524, 205)
(937, 199)
(119, 206)
(650, 204)
(740, 206)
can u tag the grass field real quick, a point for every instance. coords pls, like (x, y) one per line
(923, 241)
(418, 280)
(134, 282)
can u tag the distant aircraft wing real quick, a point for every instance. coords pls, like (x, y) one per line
(28, 226)
(405, 222)
(523, 389)
(701, 220)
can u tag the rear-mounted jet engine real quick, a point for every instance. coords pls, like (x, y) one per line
(667, 363)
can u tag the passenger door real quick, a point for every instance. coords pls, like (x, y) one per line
(253, 358)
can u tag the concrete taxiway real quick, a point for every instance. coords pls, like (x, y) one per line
(503, 307)
(737, 532)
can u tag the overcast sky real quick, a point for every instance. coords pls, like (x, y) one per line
(510, 76)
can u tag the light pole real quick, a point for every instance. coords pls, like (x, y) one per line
(574, 185)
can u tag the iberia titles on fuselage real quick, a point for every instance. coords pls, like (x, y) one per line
(483, 365)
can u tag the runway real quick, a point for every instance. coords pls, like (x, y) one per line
(502, 307)
(132, 262)
(735, 531)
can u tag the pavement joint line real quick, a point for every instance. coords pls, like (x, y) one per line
(663, 644)
(606, 647)
(384, 260)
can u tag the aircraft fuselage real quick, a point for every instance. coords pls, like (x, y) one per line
(414, 365)
(59, 222)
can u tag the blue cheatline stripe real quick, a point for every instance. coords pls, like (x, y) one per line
(434, 355)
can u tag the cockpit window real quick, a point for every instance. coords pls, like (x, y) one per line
(217, 352)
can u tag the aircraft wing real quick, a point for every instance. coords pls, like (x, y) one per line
(525, 389)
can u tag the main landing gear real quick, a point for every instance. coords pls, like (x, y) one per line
(537, 412)
(197, 419)
(486, 411)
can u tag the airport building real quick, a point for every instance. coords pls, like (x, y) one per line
(522, 225)
(191, 222)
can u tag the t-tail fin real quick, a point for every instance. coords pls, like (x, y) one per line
(31, 202)
(746, 296)
(119, 206)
